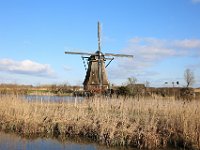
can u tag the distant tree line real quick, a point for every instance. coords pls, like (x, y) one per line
(131, 88)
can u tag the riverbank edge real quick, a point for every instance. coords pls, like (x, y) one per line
(74, 130)
(106, 121)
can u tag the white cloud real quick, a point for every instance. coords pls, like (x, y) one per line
(147, 51)
(187, 43)
(27, 67)
(196, 1)
(151, 51)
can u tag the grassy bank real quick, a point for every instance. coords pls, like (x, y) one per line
(147, 123)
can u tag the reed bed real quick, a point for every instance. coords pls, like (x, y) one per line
(145, 123)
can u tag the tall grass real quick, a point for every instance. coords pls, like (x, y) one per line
(145, 123)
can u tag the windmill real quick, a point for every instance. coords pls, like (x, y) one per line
(96, 78)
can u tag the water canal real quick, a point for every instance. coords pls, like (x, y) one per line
(50, 98)
(10, 141)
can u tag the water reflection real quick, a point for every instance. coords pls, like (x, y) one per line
(14, 142)
(46, 98)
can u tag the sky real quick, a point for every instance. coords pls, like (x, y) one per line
(163, 36)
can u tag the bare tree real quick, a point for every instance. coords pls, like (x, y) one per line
(189, 77)
(131, 81)
(130, 85)
(147, 84)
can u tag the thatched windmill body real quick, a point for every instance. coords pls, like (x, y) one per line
(96, 79)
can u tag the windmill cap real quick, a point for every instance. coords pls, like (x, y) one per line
(98, 53)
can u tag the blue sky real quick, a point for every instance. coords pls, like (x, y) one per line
(163, 36)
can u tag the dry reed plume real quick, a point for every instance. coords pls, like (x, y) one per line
(147, 123)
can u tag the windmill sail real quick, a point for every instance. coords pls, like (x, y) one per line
(78, 53)
(96, 79)
(118, 55)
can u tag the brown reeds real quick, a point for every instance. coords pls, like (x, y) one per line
(144, 123)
